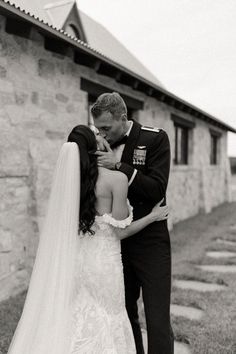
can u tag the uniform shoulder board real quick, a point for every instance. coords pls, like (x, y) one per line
(151, 129)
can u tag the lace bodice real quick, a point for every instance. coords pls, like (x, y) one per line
(100, 322)
(109, 220)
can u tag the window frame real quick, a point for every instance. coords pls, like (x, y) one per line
(182, 128)
(75, 30)
(214, 147)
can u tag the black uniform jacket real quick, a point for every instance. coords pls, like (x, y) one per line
(147, 153)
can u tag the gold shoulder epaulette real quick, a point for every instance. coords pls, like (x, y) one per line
(151, 129)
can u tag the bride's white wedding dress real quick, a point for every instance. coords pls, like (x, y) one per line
(75, 302)
(100, 323)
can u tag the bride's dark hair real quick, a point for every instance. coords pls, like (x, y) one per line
(85, 139)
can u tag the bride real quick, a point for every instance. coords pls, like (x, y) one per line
(75, 302)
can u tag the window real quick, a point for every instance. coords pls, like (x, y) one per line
(214, 147)
(72, 30)
(181, 145)
(183, 128)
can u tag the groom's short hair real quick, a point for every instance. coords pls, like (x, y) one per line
(109, 102)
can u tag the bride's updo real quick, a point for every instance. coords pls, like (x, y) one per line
(85, 139)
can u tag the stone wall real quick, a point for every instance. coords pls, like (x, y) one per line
(198, 186)
(40, 101)
(195, 189)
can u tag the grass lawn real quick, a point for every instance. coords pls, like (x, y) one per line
(216, 332)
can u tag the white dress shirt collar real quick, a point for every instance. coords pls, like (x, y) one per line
(130, 127)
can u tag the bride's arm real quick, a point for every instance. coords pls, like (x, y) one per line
(158, 213)
(120, 208)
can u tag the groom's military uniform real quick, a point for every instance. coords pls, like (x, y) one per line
(146, 256)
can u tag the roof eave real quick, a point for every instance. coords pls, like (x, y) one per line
(138, 82)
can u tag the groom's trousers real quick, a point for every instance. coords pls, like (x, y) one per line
(147, 266)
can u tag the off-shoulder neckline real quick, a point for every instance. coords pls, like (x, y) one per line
(100, 216)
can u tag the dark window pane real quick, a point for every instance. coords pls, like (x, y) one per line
(176, 145)
(184, 146)
(181, 145)
(214, 149)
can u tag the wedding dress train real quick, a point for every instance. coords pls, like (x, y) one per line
(75, 302)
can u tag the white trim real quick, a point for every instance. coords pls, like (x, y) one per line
(130, 127)
(133, 177)
(150, 129)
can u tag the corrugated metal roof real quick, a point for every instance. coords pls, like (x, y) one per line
(55, 12)
(42, 23)
(34, 8)
(98, 37)
(8, 7)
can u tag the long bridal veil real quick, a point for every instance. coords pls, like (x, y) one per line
(44, 325)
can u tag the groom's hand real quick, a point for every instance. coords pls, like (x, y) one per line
(102, 144)
(106, 159)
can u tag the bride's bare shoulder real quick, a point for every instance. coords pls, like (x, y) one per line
(108, 179)
(109, 175)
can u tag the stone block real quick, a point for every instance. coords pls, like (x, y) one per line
(79, 96)
(15, 224)
(35, 97)
(54, 135)
(4, 264)
(183, 193)
(6, 99)
(3, 72)
(62, 98)
(5, 240)
(70, 108)
(46, 68)
(16, 115)
(3, 60)
(13, 152)
(21, 98)
(49, 105)
(6, 86)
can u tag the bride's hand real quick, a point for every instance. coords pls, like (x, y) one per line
(160, 212)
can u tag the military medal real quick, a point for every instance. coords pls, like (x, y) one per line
(139, 155)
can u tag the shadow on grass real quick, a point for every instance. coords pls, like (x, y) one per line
(10, 312)
(201, 278)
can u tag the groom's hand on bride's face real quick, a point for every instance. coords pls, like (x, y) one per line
(106, 159)
(102, 144)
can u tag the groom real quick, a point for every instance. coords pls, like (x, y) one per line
(143, 155)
